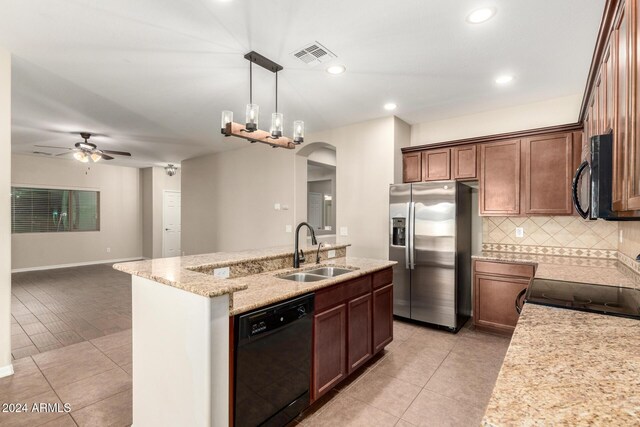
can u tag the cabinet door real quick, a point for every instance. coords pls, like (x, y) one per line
(620, 35)
(411, 167)
(548, 172)
(494, 302)
(609, 96)
(329, 349)
(359, 317)
(464, 162)
(436, 165)
(500, 178)
(633, 184)
(382, 317)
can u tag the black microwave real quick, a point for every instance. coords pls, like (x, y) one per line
(593, 182)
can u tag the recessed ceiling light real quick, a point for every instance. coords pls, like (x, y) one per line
(504, 79)
(336, 69)
(479, 16)
(390, 106)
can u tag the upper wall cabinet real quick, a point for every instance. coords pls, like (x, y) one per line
(548, 168)
(500, 178)
(411, 167)
(464, 162)
(436, 165)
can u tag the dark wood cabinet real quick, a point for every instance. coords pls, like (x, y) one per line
(500, 178)
(464, 163)
(382, 317)
(495, 288)
(330, 349)
(412, 167)
(548, 168)
(436, 165)
(359, 337)
(353, 321)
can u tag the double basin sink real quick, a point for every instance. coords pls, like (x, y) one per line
(317, 274)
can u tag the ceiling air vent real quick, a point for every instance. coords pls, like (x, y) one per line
(314, 54)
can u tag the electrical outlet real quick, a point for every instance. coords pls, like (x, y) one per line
(288, 228)
(221, 273)
(108, 250)
(344, 231)
(620, 238)
(519, 232)
(331, 253)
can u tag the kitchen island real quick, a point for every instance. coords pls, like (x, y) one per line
(181, 323)
(567, 367)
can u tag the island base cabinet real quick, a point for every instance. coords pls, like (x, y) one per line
(382, 317)
(330, 349)
(359, 331)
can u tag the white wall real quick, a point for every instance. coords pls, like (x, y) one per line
(155, 182)
(120, 213)
(5, 209)
(228, 199)
(552, 112)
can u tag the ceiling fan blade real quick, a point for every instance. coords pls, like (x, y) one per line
(106, 157)
(50, 146)
(117, 153)
(63, 154)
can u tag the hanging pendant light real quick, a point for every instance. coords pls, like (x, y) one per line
(277, 119)
(298, 132)
(250, 131)
(253, 110)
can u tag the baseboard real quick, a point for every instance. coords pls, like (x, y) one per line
(6, 371)
(76, 264)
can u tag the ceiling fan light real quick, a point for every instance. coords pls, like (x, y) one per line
(277, 125)
(227, 117)
(96, 157)
(298, 132)
(253, 113)
(81, 156)
(171, 170)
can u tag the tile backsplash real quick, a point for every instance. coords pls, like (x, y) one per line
(557, 233)
(630, 244)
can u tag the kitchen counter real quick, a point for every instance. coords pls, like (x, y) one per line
(578, 269)
(194, 273)
(567, 367)
(268, 288)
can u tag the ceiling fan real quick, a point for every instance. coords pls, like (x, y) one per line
(85, 150)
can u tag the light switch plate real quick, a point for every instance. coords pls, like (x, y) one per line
(344, 231)
(331, 253)
(276, 206)
(519, 232)
(221, 273)
(288, 228)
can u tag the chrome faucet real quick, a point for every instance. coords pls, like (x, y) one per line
(298, 256)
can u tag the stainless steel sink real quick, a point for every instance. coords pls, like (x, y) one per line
(329, 271)
(304, 277)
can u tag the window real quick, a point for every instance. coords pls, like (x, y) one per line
(41, 210)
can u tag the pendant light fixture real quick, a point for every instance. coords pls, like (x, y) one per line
(250, 130)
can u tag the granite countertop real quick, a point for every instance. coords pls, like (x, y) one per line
(266, 288)
(189, 273)
(576, 269)
(567, 367)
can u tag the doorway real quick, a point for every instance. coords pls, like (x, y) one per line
(171, 223)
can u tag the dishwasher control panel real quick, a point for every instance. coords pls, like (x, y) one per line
(274, 317)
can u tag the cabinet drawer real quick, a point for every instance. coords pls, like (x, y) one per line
(504, 269)
(342, 292)
(382, 278)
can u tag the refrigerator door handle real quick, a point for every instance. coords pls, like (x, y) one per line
(407, 240)
(412, 235)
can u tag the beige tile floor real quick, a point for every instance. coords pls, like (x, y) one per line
(56, 308)
(425, 377)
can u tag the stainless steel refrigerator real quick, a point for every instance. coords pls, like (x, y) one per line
(430, 238)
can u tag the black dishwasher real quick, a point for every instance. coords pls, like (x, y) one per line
(273, 363)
